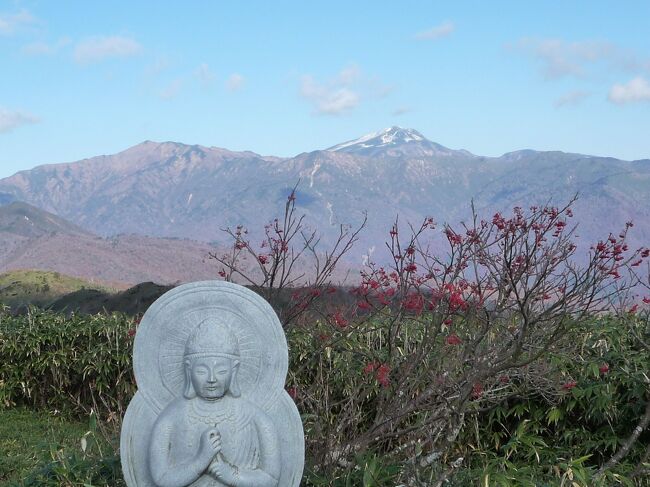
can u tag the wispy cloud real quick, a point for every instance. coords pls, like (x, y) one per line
(171, 90)
(328, 100)
(437, 32)
(235, 82)
(44, 48)
(99, 48)
(160, 64)
(10, 23)
(571, 98)
(634, 91)
(348, 75)
(559, 58)
(11, 119)
(400, 111)
(204, 74)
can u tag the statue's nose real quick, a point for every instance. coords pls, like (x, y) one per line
(212, 377)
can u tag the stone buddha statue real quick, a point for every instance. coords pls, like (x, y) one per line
(210, 360)
(211, 436)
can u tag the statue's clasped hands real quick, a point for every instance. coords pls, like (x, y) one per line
(210, 443)
(218, 467)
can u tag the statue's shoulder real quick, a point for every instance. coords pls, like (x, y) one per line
(175, 409)
(254, 411)
(249, 407)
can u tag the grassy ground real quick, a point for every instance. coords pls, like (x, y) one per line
(26, 440)
(33, 441)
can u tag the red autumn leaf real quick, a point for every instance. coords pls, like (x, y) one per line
(569, 385)
(339, 320)
(370, 367)
(382, 375)
(293, 392)
(363, 305)
(453, 339)
(414, 302)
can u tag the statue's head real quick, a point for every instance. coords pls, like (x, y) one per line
(211, 362)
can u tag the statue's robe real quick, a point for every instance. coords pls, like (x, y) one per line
(184, 422)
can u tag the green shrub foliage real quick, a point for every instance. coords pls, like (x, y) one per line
(68, 365)
(567, 436)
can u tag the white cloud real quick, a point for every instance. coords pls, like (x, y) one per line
(38, 48)
(571, 98)
(328, 100)
(10, 23)
(349, 74)
(235, 82)
(10, 120)
(99, 48)
(342, 92)
(635, 90)
(333, 97)
(171, 90)
(437, 32)
(160, 64)
(401, 111)
(560, 58)
(204, 74)
(44, 48)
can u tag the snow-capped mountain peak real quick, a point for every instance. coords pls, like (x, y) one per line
(395, 142)
(389, 136)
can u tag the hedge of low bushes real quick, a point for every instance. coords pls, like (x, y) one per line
(75, 365)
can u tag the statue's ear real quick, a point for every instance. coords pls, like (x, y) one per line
(188, 392)
(235, 391)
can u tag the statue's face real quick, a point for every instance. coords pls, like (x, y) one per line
(211, 376)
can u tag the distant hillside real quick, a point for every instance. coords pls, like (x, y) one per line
(133, 301)
(31, 238)
(25, 220)
(137, 299)
(18, 288)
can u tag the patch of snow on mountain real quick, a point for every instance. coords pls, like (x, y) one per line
(395, 135)
(329, 208)
(365, 259)
(313, 172)
(360, 140)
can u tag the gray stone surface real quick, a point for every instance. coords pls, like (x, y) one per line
(210, 360)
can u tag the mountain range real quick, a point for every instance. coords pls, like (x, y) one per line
(170, 190)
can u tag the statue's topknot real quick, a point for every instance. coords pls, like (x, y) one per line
(212, 338)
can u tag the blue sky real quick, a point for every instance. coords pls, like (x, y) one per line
(79, 79)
